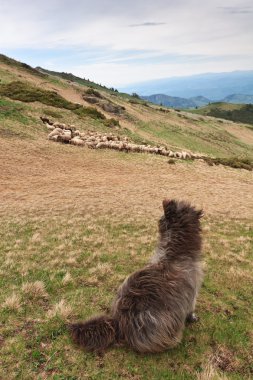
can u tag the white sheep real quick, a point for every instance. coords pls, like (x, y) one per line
(50, 127)
(65, 137)
(55, 132)
(77, 141)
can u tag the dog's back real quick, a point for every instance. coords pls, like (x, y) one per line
(153, 304)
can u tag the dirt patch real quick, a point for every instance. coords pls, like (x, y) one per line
(48, 178)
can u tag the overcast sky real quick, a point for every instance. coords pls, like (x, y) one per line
(117, 42)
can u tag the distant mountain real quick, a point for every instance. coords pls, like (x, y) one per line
(169, 101)
(214, 86)
(200, 101)
(195, 102)
(238, 99)
(176, 102)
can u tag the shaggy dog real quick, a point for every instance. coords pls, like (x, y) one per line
(153, 304)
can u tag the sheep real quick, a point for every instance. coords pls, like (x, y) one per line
(58, 125)
(50, 127)
(185, 155)
(69, 134)
(164, 152)
(102, 145)
(55, 132)
(77, 141)
(90, 144)
(65, 137)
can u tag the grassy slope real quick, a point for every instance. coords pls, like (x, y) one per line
(236, 112)
(178, 130)
(80, 257)
(80, 269)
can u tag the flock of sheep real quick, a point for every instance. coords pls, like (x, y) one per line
(63, 133)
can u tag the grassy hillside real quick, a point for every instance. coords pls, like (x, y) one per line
(74, 222)
(145, 122)
(240, 113)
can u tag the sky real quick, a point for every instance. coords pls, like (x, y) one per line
(116, 42)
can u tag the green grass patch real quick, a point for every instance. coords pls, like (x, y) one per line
(81, 262)
(13, 111)
(203, 137)
(25, 92)
(15, 120)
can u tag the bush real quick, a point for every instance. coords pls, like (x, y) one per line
(241, 115)
(111, 123)
(91, 91)
(234, 162)
(26, 93)
(89, 111)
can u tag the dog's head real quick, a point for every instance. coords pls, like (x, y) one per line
(180, 215)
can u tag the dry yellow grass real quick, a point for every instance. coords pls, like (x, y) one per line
(35, 289)
(60, 309)
(12, 302)
(53, 179)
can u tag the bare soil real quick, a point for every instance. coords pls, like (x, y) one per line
(49, 178)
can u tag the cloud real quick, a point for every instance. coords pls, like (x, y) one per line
(112, 42)
(237, 10)
(148, 24)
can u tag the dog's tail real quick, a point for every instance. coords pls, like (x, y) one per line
(96, 334)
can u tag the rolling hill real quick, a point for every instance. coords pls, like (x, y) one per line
(75, 221)
(238, 99)
(242, 113)
(71, 100)
(176, 102)
(195, 102)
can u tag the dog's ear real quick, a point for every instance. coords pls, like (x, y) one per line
(169, 207)
(200, 213)
(165, 204)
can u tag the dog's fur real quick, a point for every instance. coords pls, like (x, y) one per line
(153, 304)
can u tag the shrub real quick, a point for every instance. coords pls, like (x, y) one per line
(89, 111)
(91, 91)
(241, 115)
(26, 93)
(111, 123)
(233, 162)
